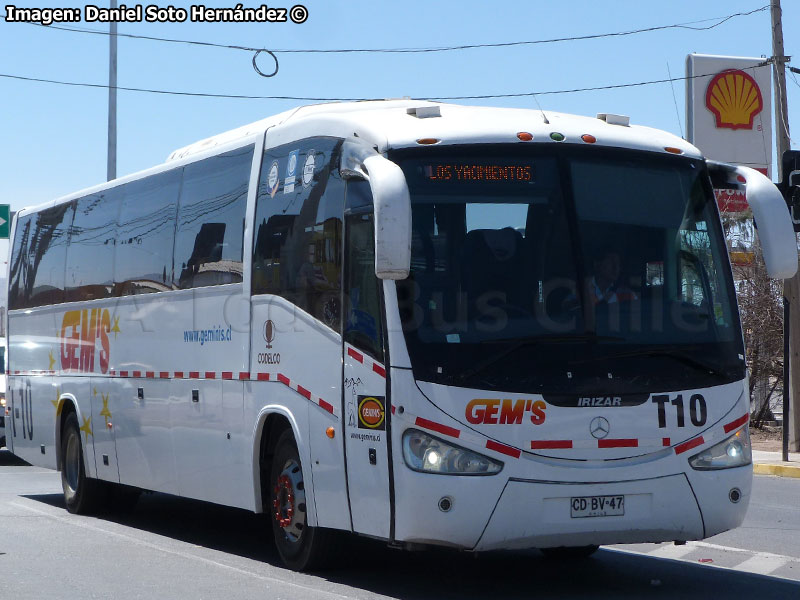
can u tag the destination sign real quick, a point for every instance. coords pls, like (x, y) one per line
(467, 172)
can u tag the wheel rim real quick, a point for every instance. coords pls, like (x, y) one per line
(289, 503)
(72, 462)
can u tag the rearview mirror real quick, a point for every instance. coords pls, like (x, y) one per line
(392, 207)
(771, 216)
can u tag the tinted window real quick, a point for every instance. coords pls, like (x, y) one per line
(90, 254)
(46, 253)
(297, 249)
(208, 244)
(18, 269)
(363, 301)
(146, 234)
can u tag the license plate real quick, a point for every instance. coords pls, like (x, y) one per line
(597, 506)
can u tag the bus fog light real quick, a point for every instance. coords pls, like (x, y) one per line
(732, 452)
(445, 503)
(428, 454)
(735, 495)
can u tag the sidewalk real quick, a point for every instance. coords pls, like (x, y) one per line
(770, 463)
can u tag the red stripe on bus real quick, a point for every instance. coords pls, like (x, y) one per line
(326, 406)
(503, 449)
(149, 374)
(551, 444)
(137, 374)
(112, 372)
(379, 369)
(178, 374)
(737, 423)
(227, 374)
(303, 392)
(123, 373)
(194, 374)
(665, 442)
(357, 355)
(244, 375)
(433, 426)
(263, 376)
(163, 374)
(284, 379)
(618, 443)
(681, 448)
(211, 375)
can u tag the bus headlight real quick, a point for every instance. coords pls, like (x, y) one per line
(732, 452)
(427, 454)
(2, 400)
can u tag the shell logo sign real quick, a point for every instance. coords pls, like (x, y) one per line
(735, 99)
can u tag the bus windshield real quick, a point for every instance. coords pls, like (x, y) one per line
(566, 269)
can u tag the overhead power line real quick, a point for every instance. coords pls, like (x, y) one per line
(321, 99)
(691, 25)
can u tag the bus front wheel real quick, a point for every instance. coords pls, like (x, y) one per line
(301, 547)
(82, 495)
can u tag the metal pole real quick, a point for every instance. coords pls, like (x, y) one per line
(791, 287)
(786, 331)
(111, 169)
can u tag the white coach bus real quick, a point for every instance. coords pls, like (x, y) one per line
(430, 324)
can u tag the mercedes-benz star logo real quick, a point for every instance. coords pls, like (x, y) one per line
(599, 428)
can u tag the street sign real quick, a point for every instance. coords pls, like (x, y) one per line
(5, 221)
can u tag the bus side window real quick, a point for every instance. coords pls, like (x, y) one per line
(90, 253)
(47, 252)
(18, 268)
(363, 323)
(210, 234)
(297, 251)
(146, 233)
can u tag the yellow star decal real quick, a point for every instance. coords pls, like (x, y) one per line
(57, 404)
(115, 328)
(105, 412)
(87, 427)
(52, 361)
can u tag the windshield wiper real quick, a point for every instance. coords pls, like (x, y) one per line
(520, 342)
(673, 352)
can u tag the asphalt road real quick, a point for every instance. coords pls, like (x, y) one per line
(173, 548)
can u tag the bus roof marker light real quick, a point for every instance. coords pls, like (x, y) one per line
(588, 138)
(428, 141)
(557, 137)
(524, 136)
(673, 150)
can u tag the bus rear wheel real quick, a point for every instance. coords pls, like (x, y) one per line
(300, 547)
(82, 495)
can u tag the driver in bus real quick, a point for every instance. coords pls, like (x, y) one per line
(604, 286)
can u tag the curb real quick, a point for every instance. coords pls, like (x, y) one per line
(781, 470)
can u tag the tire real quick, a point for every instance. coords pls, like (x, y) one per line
(82, 495)
(300, 547)
(569, 552)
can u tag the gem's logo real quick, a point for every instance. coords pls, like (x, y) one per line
(371, 414)
(482, 411)
(269, 332)
(735, 99)
(81, 330)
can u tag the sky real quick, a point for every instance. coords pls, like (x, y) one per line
(54, 137)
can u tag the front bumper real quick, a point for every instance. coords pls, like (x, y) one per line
(655, 510)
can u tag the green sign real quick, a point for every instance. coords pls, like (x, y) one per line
(5, 221)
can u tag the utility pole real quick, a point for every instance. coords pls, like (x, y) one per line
(111, 166)
(791, 287)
